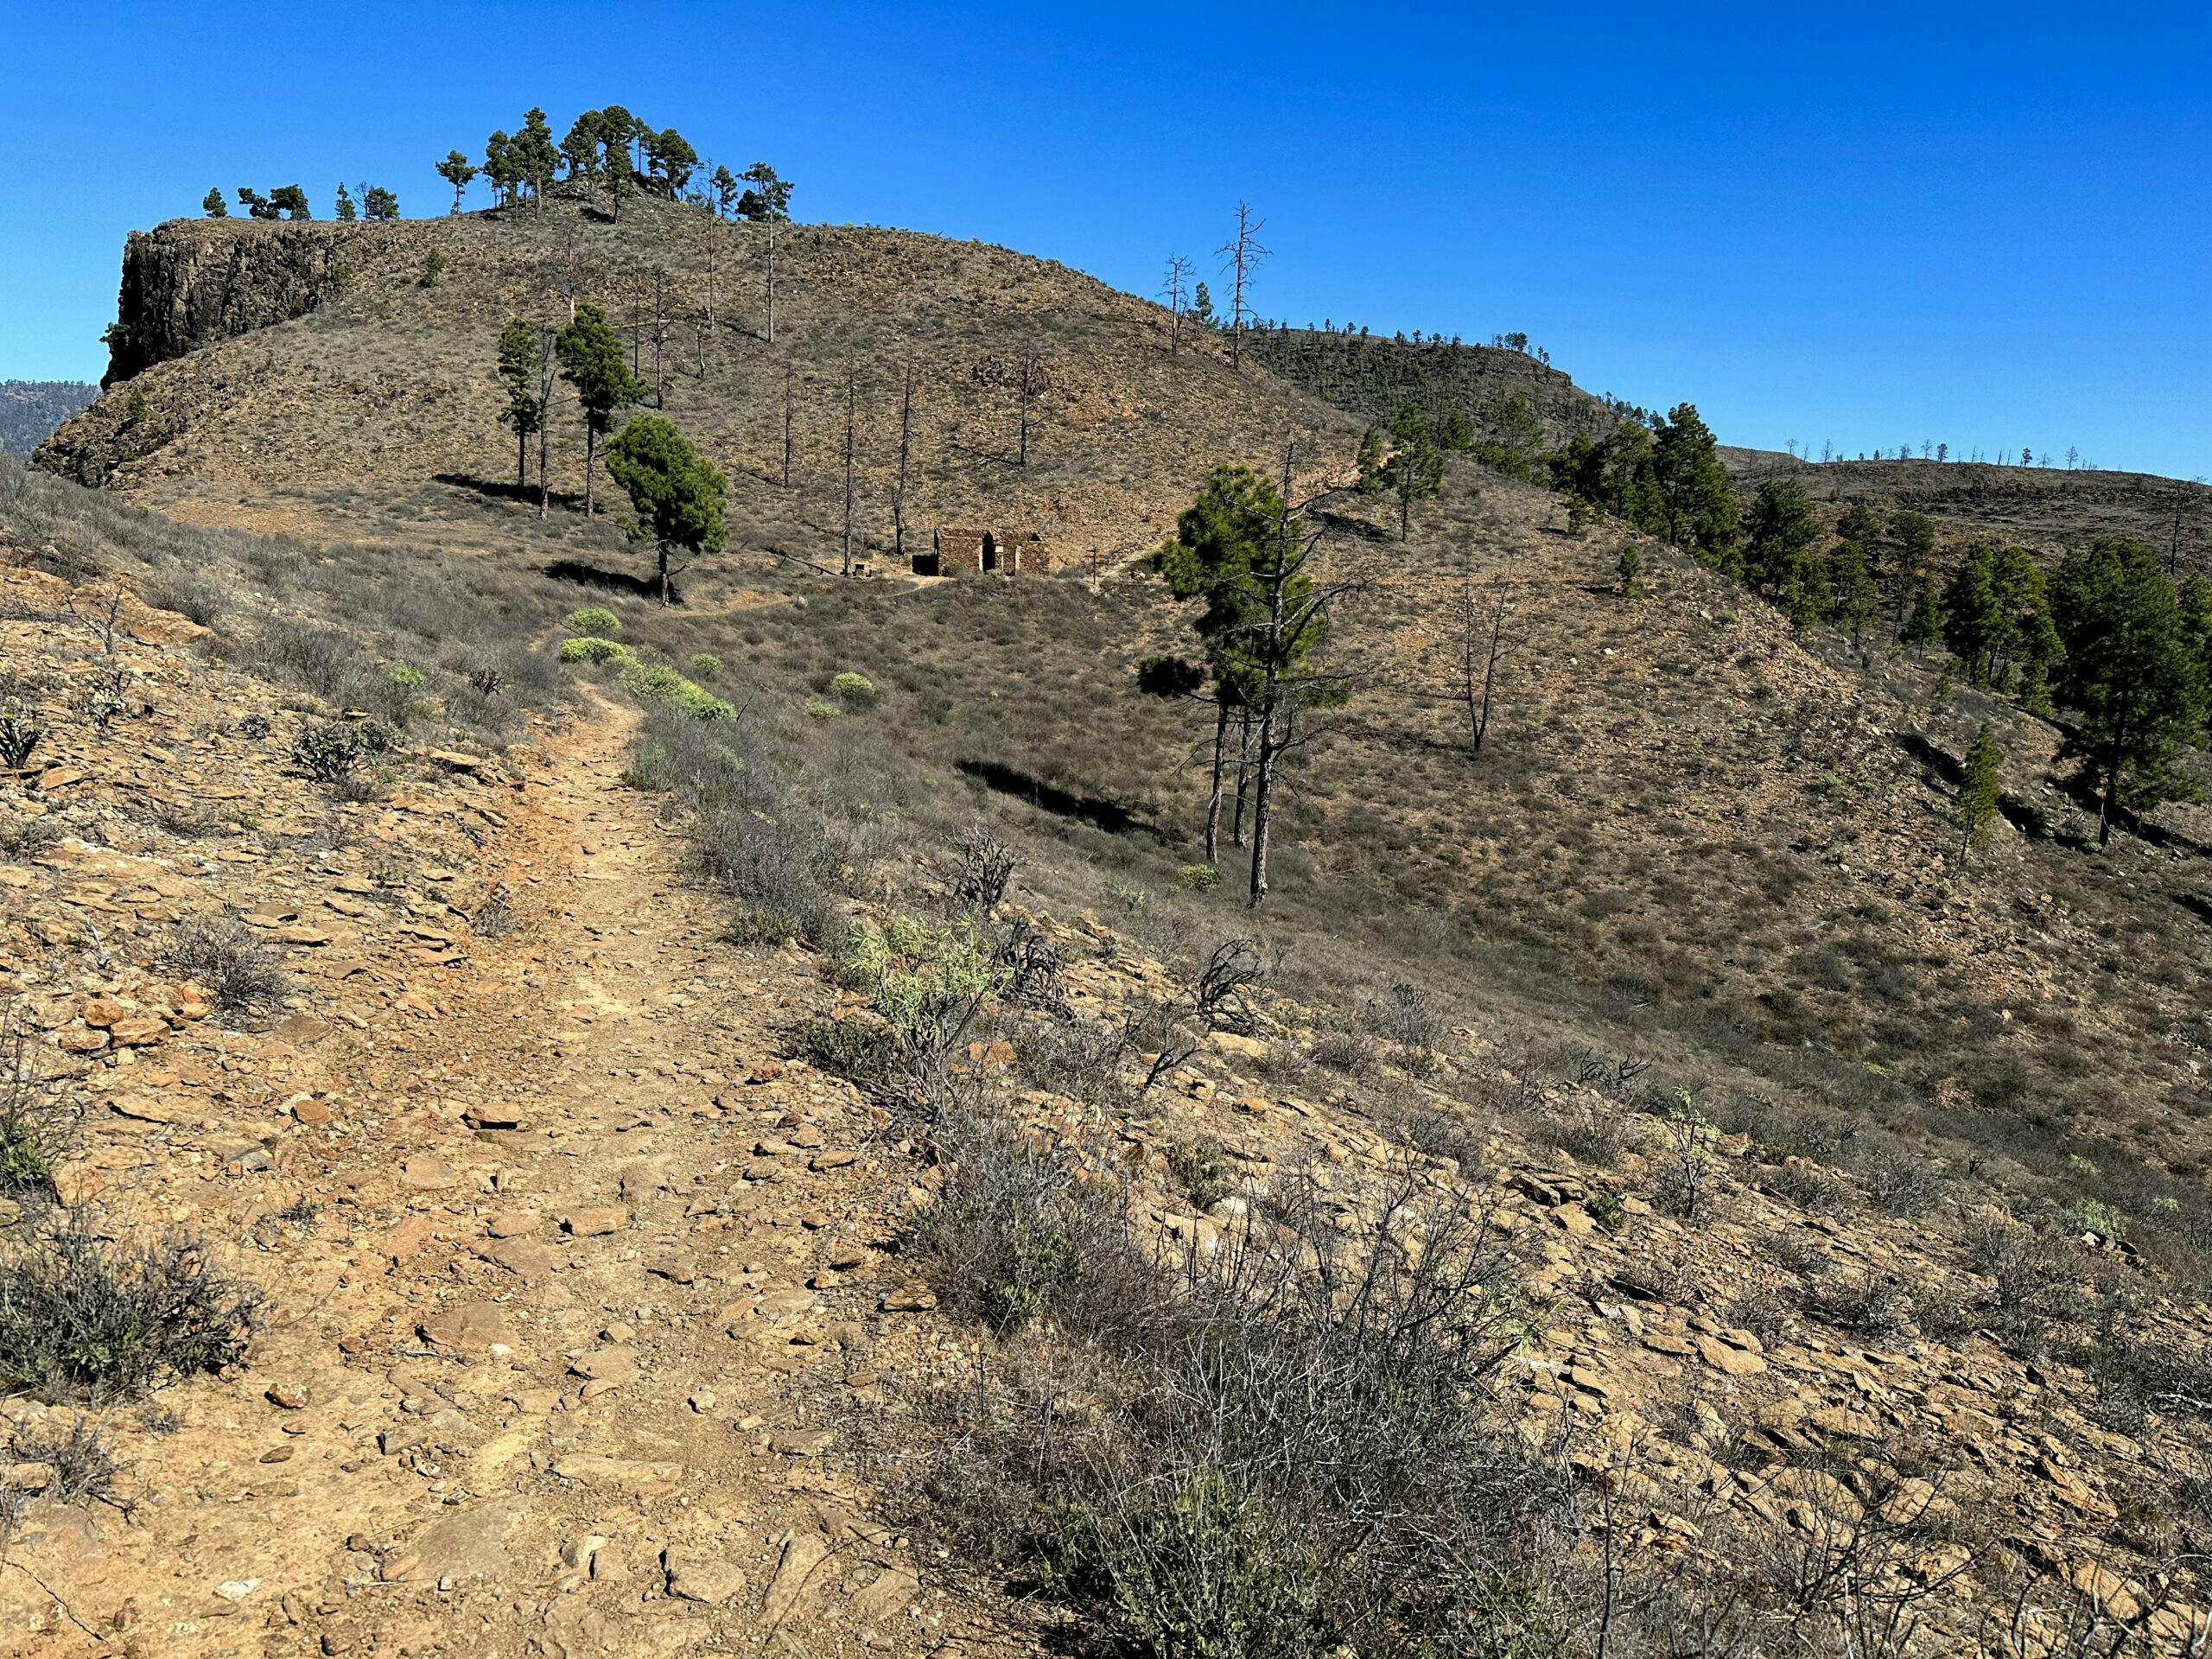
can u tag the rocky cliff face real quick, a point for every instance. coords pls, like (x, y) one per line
(191, 282)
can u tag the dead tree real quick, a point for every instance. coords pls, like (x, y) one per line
(664, 330)
(548, 376)
(906, 449)
(1294, 612)
(1485, 642)
(1243, 253)
(1179, 276)
(852, 404)
(1030, 376)
(787, 425)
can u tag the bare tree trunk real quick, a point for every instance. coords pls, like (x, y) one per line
(591, 453)
(1244, 776)
(851, 394)
(771, 281)
(522, 456)
(906, 435)
(1028, 381)
(1178, 271)
(661, 549)
(1263, 776)
(660, 328)
(787, 426)
(1245, 253)
(548, 376)
(1213, 796)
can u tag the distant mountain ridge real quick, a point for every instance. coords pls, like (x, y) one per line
(30, 409)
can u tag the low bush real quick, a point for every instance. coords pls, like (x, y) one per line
(86, 1318)
(590, 619)
(221, 952)
(854, 690)
(329, 750)
(818, 709)
(657, 682)
(594, 649)
(1289, 1447)
(705, 665)
(1201, 1170)
(986, 866)
(21, 728)
(38, 1119)
(1198, 877)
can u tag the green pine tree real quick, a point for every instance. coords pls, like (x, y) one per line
(518, 361)
(1923, 619)
(591, 361)
(676, 493)
(1630, 567)
(1974, 810)
(456, 171)
(1779, 535)
(1698, 506)
(2127, 672)
(1368, 462)
(1415, 469)
(213, 206)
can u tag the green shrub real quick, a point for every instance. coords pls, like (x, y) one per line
(818, 709)
(590, 648)
(706, 665)
(1198, 877)
(2095, 1216)
(407, 678)
(21, 727)
(854, 690)
(329, 750)
(592, 619)
(1200, 1170)
(86, 1317)
(659, 683)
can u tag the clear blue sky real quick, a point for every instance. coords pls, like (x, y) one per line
(1981, 224)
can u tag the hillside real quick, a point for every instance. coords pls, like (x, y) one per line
(2047, 509)
(30, 409)
(793, 1174)
(1375, 378)
(324, 376)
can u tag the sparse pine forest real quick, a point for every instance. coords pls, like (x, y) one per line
(724, 926)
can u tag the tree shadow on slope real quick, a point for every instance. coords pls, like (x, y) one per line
(1110, 816)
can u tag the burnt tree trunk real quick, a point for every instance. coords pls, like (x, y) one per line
(1213, 796)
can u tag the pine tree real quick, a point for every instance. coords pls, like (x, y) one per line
(502, 169)
(1415, 469)
(456, 171)
(345, 212)
(377, 203)
(1856, 597)
(592, 362)
(676, 493)
(1974, 808)
(518, 361)
(1219, 539)
(1923, 619)
(1630, 567)
(1974, 620)
(534, 156)
(213, 206)
(1779, 533)
(1368, 462)
(291, 202)
(2128, 674)
(1699, 508)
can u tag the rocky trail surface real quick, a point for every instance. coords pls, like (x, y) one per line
(578, 1281)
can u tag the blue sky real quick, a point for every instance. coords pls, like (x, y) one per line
(1868, 225)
